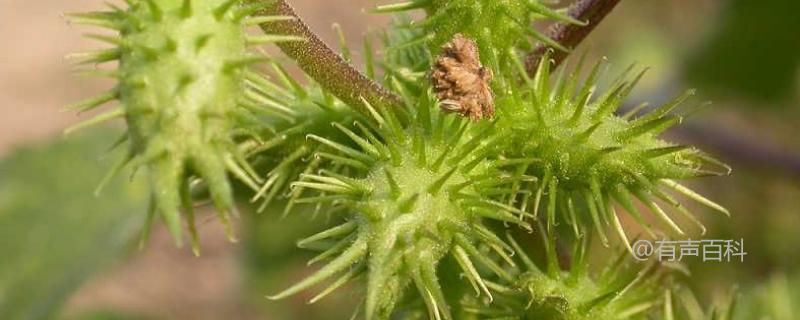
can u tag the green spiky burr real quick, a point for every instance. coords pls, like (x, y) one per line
(181, 72)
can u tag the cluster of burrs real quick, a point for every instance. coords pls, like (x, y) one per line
(421, 195)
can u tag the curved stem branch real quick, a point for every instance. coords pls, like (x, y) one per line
(570, 35)
(757, 154)
(323, 64)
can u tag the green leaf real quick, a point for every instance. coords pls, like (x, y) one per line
(54, 233)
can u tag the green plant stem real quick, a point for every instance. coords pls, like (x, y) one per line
(323, 64)
(570, 35)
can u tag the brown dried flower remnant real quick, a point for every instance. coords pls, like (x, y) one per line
(461, 82)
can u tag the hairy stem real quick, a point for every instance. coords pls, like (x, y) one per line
(323, 64)
(570, 35)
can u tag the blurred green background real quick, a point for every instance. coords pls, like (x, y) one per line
(65, 254)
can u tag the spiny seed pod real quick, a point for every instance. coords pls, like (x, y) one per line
(182, 66)
(414, 195)
(625, 289)
(291, 111)
(497, 26)
(588, 157)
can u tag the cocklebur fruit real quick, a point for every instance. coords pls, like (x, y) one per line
(411, 196)
(181, 76)
(625, 289)
(589, 159)
(278, 145)
(498, 26)
(586, 158)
